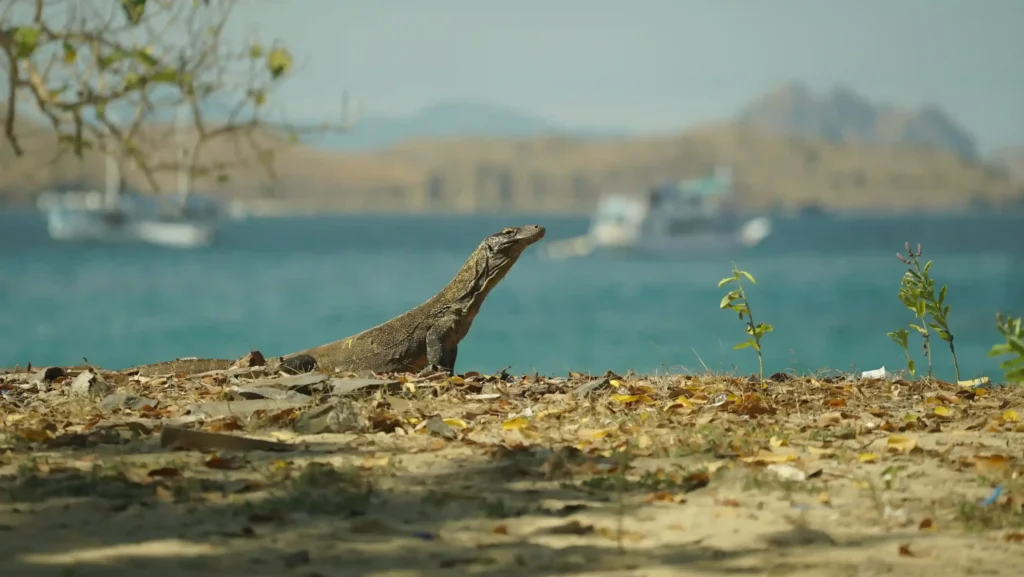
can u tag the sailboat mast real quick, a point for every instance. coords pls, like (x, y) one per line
(112, 188)
(184, 167)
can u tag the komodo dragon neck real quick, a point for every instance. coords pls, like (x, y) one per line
(430, 333)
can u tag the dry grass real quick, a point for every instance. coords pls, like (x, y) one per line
(560, 174)
(501, 475)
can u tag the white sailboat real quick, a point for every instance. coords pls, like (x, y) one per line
(188, 223)
(114, 215)
(91, 215)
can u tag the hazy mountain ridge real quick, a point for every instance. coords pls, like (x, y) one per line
(448, 119)
(843, 116)
(841, 153)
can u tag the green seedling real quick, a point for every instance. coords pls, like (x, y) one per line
(917, 293)
(736, 301)
(1013, 331)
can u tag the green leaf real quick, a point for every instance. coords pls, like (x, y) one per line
(999, 350)
(747, 276)
(927, 267)
(133, 10)
(923, 331)
(763, 328)
(911, 366)
(942, 294)
(743, 345)
(70, 54)
(279, 62)
(223, 178)
(26, 40)
(899, 337)
(255, 51)
(726, 300)
(725, 281)
(168, 75)
(259, 98)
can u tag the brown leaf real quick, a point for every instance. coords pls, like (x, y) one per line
(906, 552)
(164, 472)
(223, 463)
(926, 524)
(571, 528)
(829, 419)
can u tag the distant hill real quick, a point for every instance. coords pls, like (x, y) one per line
(449, 119)
(1010, 159)
(552, 174)
(843, 116)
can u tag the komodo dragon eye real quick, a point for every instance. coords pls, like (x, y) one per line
(509, 231)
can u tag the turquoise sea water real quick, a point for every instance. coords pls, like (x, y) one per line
(278, 285)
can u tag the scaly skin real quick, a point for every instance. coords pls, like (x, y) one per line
(429, 334)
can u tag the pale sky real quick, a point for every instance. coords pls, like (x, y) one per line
(651, 65)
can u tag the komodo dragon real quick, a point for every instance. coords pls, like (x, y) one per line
(429, 334)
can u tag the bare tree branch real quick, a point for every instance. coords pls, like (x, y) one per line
(103, 72)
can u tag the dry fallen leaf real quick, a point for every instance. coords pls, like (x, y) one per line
(767, 457)
(1010, 416)
(455, 423)
(906, 552)
(164, 472)
(829, 419)
(990, 464)
(515, 424)
(867, 457)
(900, 444)
(629, 399)
(217, 462)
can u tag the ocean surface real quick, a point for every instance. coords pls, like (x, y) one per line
(828, 285)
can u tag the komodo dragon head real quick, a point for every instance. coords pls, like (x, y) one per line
(503, 248)
(489, 263)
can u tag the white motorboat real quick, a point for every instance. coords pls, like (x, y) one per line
(673, 217)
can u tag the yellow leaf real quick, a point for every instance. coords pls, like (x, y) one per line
(515, 424)
(900, 443)
(593, 433)
(615, 383)
(776, 442)
(867, 458)
(456, 423)
(942, 411)
(643, 442)
(529, 432)
(769, 457)
(822, 451)
(456, 380)
(376, 461)
(1010, 416)
(413, 420)
(679, 403)
(626, 399)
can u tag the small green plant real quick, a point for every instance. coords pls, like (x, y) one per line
(736, 301)
(917, 293)
(1013, 331)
